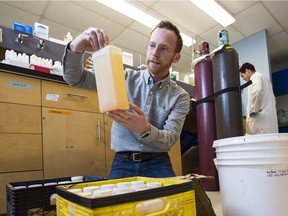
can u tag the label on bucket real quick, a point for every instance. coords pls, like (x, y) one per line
(277, 173)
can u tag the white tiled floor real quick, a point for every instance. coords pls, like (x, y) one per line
(216, 201)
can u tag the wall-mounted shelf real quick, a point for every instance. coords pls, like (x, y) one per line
(29, 44)
(31, 73)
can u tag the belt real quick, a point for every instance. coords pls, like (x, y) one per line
(140, 156)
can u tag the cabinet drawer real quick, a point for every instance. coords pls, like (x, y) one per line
(20, 152)
(64, 96)
(18, 118)
(19, 89)
(15, 177)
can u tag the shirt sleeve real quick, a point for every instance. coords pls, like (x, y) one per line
(74, 73)
(256, 94)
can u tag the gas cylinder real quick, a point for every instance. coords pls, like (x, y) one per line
(205, 111)
(226, 81)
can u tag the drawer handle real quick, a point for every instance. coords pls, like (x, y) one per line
(99, 130)
(75, 95)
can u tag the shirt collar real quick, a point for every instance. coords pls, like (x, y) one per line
(149, 80)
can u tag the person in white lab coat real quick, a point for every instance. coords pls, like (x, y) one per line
(261, 106)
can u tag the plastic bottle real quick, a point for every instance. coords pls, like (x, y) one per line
(90, 188)
(120, 190)
(68, 37)
(102, 193)
(75, 190)
(150, 206)
(109, 74)
(123, 184)
(75, 178)
(107, 186)
(153, 184)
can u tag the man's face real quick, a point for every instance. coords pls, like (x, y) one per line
(161, 53)
(246, 76)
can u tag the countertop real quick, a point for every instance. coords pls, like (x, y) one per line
(31, 73)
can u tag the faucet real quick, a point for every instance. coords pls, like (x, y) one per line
(19, 38)
(41, 44)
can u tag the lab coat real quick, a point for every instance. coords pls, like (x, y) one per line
(261, 107)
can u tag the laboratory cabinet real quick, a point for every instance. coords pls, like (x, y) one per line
(50, 129)
(73, 132)
(20, 131)
(73, 143)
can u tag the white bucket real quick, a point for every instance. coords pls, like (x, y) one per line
(251, 153)
(251, 161)
(261, 141)
(253, 185)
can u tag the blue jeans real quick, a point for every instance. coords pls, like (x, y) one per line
(157, 167)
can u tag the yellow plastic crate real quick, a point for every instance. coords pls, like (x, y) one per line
(179, 199)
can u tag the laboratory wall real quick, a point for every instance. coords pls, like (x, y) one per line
(254, 49)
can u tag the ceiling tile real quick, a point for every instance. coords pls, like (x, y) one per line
(235, 7)
(105, 11)
(67, 18)
(145, 3)
(140, 28)
(278, 46)
(186, 16)
(59, 31)
(249, 22)
(19, 16)
(211, 36)
(35, 7)
(130, 38)
(279, 11)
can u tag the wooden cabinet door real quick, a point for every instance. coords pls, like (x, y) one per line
(108, 152)
(73, 143)
(19, 119)
(175, 156)
(20, 152)
(20, 138)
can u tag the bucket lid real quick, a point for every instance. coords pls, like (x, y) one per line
(252, 161)
(259, 138)
(256, 149)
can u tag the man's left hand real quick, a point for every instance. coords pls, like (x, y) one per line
(134, 120)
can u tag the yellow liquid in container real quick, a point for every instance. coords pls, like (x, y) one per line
(110, 80)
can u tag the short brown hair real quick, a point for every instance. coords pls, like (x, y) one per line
(170, 26)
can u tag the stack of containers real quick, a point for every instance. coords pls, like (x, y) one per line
(134, 196)
(253, 174)
(36, 197)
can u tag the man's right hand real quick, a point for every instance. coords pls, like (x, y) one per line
(92, 39)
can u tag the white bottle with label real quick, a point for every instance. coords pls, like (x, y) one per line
(110, 80)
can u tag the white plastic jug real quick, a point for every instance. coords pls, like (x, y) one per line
(110, 80)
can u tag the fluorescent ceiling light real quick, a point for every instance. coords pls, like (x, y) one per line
(131, 11)
(140, 16)
(215, 11)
